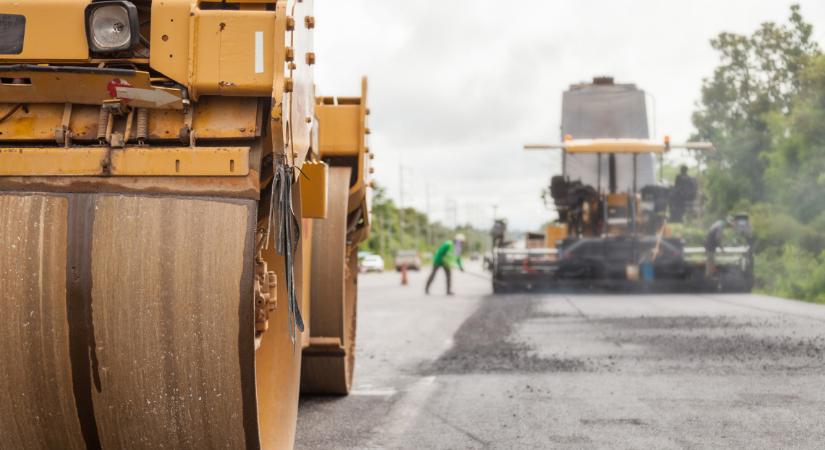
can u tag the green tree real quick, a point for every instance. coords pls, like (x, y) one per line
(764, 108)
(759, 77)
(394, 229)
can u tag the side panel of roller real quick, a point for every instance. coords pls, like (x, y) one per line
(172, 322)
(37, 404)
(128, 322)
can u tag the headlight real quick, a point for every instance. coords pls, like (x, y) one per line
(112, 26)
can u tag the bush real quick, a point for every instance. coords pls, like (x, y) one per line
(791, 273)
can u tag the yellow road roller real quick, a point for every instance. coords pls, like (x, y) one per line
(178, 219)
(330, 357)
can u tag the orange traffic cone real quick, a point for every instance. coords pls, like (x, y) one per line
(404, 280)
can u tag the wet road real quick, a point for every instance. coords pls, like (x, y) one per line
(575, 371)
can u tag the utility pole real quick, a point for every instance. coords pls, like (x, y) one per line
(382, 236)
(401, 204)
(451, 212)
(429, 220)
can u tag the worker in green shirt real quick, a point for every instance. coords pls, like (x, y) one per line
(447, 256)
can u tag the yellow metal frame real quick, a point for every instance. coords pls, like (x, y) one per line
(342, 138)
(213, 118)
(58, 34)
(343, 130)
(136, 161)
(314, 190)
(232, 52)
(614, 146)
(619, 146)
(51, 161)
(212, 52)
(604, 146)
(183, 161)
(554, 233)
(85, 88)
(618, 200)
(169, 52)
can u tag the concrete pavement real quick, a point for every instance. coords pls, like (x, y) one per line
(575, 371)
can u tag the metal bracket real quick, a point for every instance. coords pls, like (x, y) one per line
(187, 134)
(133, 162)
(63, 134)
(266, 294)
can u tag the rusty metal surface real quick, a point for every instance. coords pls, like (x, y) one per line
(133, 161)
(350, 314)
(85, 86)
(278, 370)
(278, 361)
(359, 222)
(233, 52)
(37, 122)
(226, 118)
(216, 118)
(166, 278)
(170, 56)
(128, 322)
(180, 161)
(51, 161)
(229, 187)
(330, 234)
(37, 405)
(327, 365)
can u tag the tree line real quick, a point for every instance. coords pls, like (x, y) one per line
(393, 228)
(764, 109)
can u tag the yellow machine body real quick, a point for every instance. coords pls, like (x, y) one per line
(342, 138)
(46, 19)
(156, 161)
(315, 190)
(553, 234)
(145, 306)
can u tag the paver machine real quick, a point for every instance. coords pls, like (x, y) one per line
(178, 214)
(612, 229)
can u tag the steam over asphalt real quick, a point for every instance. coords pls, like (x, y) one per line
(575, 371)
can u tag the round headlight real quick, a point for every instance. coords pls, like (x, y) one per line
(110, 27)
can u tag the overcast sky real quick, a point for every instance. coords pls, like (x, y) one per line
(458, 86)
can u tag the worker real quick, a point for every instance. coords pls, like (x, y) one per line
(684, 192)
(499, 233)
(713, 241)
(447, 256)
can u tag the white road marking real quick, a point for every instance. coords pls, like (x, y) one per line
(408, 408)
(389, 392)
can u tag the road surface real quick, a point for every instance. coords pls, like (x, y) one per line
(575, 371)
